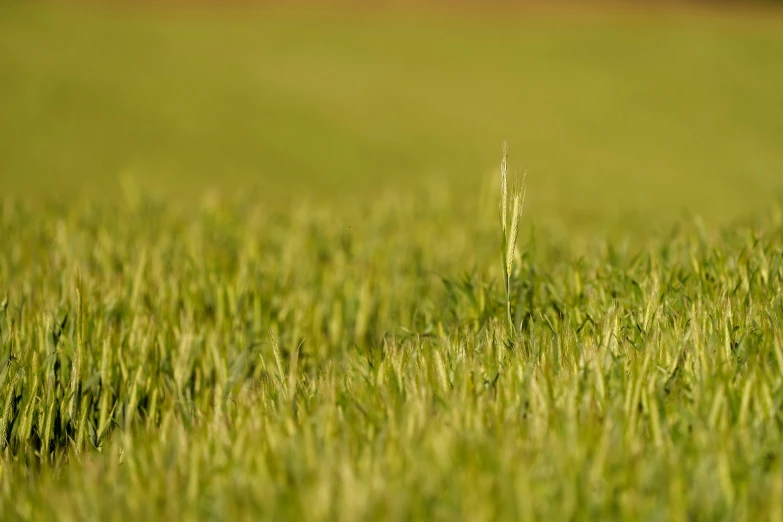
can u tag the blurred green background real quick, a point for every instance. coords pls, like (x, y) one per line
(613, 112)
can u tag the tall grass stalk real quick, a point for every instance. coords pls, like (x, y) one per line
(512, 200)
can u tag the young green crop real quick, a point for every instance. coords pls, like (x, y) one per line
(513, 200)
(139, 377)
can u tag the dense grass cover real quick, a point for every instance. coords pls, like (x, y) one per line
(227, 362)
(291, 354)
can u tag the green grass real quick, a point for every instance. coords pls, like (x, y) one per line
(291, 306)
(609, 112)
(226, 362)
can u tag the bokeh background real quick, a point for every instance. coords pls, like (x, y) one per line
(622, 114)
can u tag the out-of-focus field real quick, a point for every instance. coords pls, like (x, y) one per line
(650, 113)
(251, 265)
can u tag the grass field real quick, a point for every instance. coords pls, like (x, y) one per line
(252, 266)
(609, 112)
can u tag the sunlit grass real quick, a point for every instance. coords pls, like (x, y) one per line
(249, 267)
(231, 362)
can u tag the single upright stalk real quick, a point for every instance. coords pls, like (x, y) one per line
(515, 199)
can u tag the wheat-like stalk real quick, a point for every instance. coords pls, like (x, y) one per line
(516, 200)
